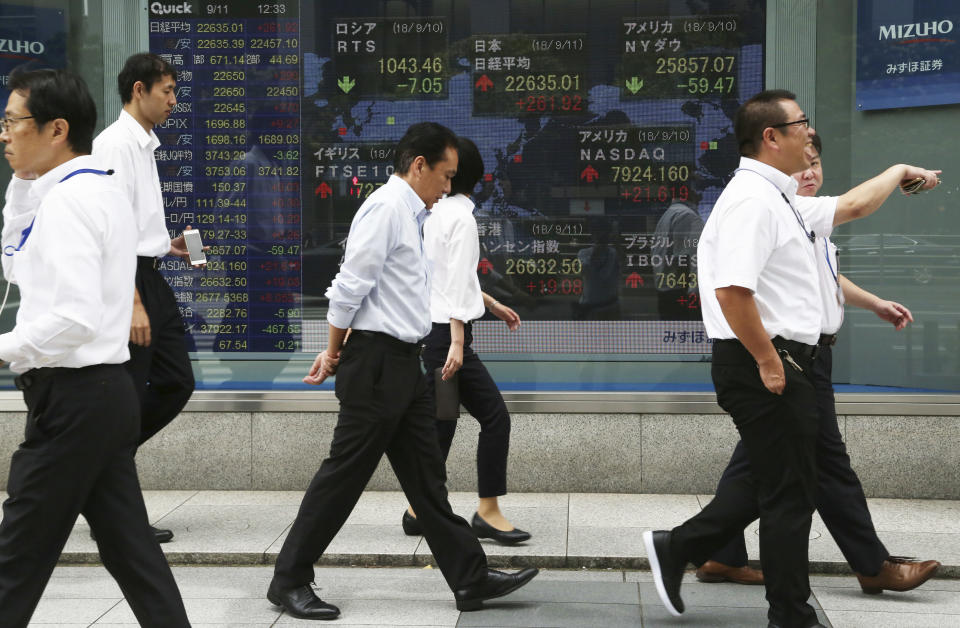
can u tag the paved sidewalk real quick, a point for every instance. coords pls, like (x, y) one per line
(590, 545)
(570, 530)
(418, 596)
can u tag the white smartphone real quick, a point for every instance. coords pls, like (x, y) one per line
(194, 247)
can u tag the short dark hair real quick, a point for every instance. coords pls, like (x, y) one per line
(145, 67)
(53, 94)
(469, 168)
(817, 144)
(429, 139)
(755, 115)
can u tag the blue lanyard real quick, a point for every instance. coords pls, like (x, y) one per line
(26, 232)
(810, 234)
(86, 170)
(826, 252)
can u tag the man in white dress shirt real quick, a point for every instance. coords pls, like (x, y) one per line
(382, 294)
(840, 498)
(159, 362)
(69, 244)
(760, 295)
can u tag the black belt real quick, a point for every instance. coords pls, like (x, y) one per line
(35, 376)
(147, 263)
(827, 340)
(796, 349)
(412, 348)
(24, 381)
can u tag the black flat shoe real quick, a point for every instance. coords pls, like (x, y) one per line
(496, 584)
(411, 527)
(484, 530)
(301, 602)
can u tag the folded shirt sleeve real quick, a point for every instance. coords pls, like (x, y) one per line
(746, 238)
(369, 240)
(461, 272)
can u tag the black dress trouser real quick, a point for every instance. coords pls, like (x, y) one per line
(161, 371)
(384, 408)
(840, 499)
(482, 399)
(77, 457)
(779, 433)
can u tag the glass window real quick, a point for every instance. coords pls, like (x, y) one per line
(909, 250)
(606, 129)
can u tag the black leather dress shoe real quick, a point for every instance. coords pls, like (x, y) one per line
(411, 527)
(816, 625)
(667, 569)
(301, 602)
(496, 584)
(484, 530)
(162, 536)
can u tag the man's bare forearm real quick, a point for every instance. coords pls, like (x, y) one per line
(857, 296)
(456, 331)
(335, 336)
(741, 312)
(867, 197)
(742, 315)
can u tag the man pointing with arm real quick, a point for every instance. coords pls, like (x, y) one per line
(761, 306)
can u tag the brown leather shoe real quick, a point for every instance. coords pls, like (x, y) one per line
(899, 573)
(712, 571)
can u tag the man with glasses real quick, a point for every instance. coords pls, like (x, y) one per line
(69, 241)
(761, 306)
(840, 498)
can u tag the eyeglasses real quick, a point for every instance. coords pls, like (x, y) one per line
(6, 123)
(804, 121)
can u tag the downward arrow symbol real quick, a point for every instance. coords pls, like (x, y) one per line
(634, 84)
(346, 84)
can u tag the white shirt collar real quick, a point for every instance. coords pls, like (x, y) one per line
(144, 140)
(42, 186)
(409, 197)
(783, 182)
(464, 201)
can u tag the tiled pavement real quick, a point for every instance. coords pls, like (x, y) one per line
(418, 596)
(590, 546)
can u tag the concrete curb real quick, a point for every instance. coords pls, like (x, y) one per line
(236, 559)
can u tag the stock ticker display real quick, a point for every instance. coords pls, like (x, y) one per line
(606, 135)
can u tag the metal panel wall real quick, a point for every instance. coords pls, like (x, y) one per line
(124, 33)
(791, 53)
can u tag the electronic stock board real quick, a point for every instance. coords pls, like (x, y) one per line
(606, 130)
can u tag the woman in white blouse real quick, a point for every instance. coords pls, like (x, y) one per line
(452, 247)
